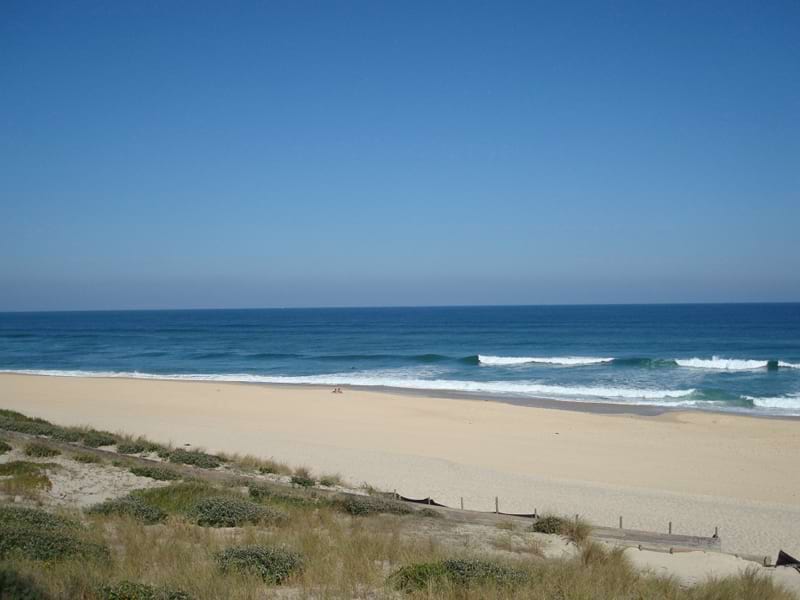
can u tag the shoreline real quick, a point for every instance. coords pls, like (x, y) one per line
(568, 404)
(695, 468)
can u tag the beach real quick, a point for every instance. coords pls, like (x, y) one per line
(699, 470)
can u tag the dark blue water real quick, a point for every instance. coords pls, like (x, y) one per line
(742, 357)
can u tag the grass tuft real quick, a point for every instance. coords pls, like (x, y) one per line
(130, 506)
(458, 573)
(274, 564)
(24, 478)
(87, 458)
(371, 505)
(194, 458)
(157, 473)
(576, 530)
(129, 590)
(4, 447)
(96, 439)
(15, 586)
(39, 450)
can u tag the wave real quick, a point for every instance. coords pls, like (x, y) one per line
(548, 360)
(788, 365)
(725, 364)
(785, 403)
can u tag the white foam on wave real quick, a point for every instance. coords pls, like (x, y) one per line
(395, 379)
(547, 360)
(788, 365)
(785, 403)
(722, 364)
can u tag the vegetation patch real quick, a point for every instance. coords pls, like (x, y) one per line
(87, 458)
(178, 498)
(459, 573)
(576, 530)
(286, 496)
(274, 564)
(130, 590)
(157, 473)
(15, 586)
(11, 420)
(63, 434)
(371, 505)
(224, 511)
(96, 439)
(130, 506)
(132, 447)
(38, 535)
(26, 478)
(195, 458)
(4, 447)
(39, 450)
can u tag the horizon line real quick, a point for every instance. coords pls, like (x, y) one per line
(389, 306)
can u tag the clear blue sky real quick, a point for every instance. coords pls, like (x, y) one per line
(191, 154)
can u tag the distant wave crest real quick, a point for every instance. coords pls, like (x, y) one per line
(547, 360)
(724, 364)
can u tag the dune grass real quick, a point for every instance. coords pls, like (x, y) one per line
(24, 478)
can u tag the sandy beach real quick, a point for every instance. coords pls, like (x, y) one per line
(698, 470)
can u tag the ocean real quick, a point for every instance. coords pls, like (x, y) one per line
(725, 357)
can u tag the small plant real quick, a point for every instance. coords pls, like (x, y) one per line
(4, 447)
(87, 458)
(132, 447)
(96, 439)
(331, 480)
(37, 535)
(576, 530)
(129, 590)
(460, 573)
(223, 511)
(26, 478)
(273, 564)
(302, 481)
(194, 458)
(15, 586)
(130, 506)
(371, 505)
(65, 435)
(157, 473)
(283, 495)
(39, 450)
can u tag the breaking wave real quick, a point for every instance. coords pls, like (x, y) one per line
(547, 360)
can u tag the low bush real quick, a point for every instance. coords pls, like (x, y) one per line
(36, 535)
(179, 497)
(4, 447)
(273, 564)
(460, 573)
(283, 495)
(331, 480)
(65, 435)
(158, 473)
(96, 439)
(371, 505)
(129, 590)
(576, 530)
(87, 458)
(224, 511)
(26, 478)
(194, 458)
(132, 447)
(14, 586)
(130, 506)
(302, 481)
(11, 420)
(39, 450)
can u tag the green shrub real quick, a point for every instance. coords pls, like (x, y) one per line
(4, 447)
(46, 544)
(132, 447)
(302, 481)
(130, 506)
(65, 435)
(129, 590)
(283, 495)
(180, 497)
(96, 439)
(86, 458)
(273, 564)
(461, 573)
(576, 530)
(11, 420)
(223, 511)
(158, 473)
(14, 586)
(371, 505)
(34, 518)
(194, 458)
(39, 450)
(330, 480)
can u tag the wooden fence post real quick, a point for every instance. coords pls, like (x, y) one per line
(496, 505)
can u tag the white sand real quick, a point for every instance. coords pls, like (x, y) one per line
(699, 470)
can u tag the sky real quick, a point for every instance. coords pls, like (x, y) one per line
(259, 154)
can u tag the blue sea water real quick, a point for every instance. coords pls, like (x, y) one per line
(739, 357)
